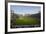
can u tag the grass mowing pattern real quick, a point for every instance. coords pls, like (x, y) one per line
(27, 21)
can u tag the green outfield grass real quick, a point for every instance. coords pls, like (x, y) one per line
(27, 21)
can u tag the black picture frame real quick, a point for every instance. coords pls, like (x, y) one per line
(6, 13)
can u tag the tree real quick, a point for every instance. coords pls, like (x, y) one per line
(13, 18)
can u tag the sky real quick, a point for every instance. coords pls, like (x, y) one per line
(20, 9)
